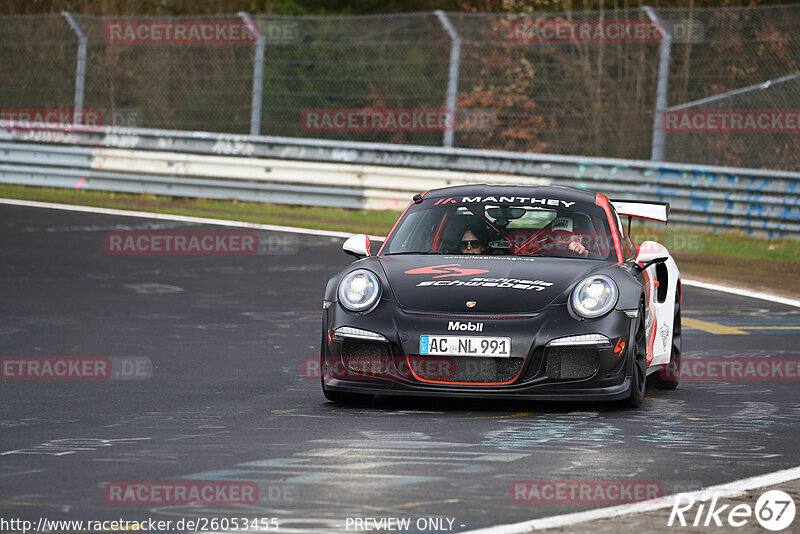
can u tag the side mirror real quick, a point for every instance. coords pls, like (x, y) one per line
(650, 252)
(357, 245)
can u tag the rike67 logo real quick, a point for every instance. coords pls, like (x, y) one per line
(774, 510)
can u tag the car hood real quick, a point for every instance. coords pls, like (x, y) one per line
(496, 284)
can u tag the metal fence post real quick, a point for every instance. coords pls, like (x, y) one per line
(657, 150)
(80, 71)
(258, 75)
(452, 77)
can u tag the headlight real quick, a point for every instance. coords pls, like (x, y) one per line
(359, 290)
(594, 296)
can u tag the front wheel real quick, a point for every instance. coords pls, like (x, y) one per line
(639, 371)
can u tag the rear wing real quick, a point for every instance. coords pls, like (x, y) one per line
(657, 211)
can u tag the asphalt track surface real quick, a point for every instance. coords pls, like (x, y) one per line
(227, 400)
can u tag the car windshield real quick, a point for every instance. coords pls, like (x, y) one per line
(560, 228)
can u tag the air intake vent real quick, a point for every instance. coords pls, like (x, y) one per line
(572, 362)
(370, 358)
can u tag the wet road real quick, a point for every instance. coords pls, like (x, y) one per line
(227, 400)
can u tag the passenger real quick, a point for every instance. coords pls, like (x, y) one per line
(563, 236)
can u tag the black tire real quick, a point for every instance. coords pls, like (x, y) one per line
(669, 377)
(639, 363)
(346, 397)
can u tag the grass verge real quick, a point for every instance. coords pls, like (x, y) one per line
(733, 257)
(346, 220)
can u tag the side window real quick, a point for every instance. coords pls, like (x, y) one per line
(415, 233)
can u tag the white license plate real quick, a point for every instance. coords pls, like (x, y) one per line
(496, 347)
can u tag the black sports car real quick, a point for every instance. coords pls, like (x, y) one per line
(505, 291)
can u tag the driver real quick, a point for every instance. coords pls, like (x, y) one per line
(564, 236)
(474, 239)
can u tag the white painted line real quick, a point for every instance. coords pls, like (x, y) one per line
(742, 292)
(179, 218)
(731, 489)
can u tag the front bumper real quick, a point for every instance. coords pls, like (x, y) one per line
(392, 365)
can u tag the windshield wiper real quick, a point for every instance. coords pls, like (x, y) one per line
(563, 257)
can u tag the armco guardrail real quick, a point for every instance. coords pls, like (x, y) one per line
(379, 176)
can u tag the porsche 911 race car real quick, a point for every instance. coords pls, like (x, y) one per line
(505, 292)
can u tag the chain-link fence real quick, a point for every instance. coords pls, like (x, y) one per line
(582, 83)
(733, 65)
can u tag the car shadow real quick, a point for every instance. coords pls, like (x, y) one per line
(489, 407)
